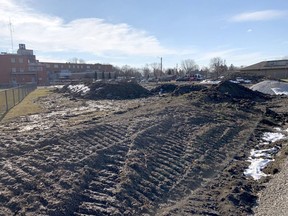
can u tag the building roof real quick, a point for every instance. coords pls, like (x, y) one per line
(266, 65)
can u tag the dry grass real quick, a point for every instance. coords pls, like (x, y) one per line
(28, 105)
(3, 99)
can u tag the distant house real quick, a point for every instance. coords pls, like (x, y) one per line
(275, 69)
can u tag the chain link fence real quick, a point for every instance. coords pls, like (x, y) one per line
(12, 96)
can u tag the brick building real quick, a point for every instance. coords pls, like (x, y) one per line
(23, 67)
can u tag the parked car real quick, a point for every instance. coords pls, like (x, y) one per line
(196, 77)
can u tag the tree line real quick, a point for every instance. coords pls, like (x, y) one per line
(188, 67)
(216, 69)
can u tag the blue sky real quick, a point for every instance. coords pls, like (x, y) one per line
(137, 33)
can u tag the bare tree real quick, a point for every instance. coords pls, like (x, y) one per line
(189, 66)
(146, 72)
(156, 68)
(76, 60)
(81, 61)
(218, 66)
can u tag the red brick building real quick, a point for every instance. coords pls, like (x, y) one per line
(22, 68)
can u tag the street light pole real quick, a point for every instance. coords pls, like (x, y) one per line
(161, 64)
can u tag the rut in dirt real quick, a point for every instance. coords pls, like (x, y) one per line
(139, 162)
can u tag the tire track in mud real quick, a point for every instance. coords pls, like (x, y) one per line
(125, 166)
(160, 166)
(46, 176)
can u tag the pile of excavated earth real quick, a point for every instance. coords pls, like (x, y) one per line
(121, 149)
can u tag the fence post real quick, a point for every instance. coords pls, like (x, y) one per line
(13, 96)
(6, 99)
(18, 95)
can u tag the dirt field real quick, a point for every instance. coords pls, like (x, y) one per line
(168, 155)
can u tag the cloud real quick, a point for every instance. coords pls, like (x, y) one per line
(236, 56)
(249, 30)
(259, 16)
(93, 35)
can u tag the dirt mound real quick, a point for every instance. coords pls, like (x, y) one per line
(177, 89)
(164, 88)
(232, 91)
(103, 90)
(158, 156)
(187, 89)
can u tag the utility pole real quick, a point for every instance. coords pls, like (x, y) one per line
(11, 34)
(161, 64)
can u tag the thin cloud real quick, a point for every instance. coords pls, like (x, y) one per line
(93, 35)
(259, 16)
(241, 56)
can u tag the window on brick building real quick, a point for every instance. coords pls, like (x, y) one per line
(56, 66)
(13, 60)
(14, 70)
(20, 60)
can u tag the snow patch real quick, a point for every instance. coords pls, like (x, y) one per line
(279, 91)
(45, 121)
(272, 137)
(260, 158)
(212, 82)
(80, 88)
(254, 170)
(271, 87)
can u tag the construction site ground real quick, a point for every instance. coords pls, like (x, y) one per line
(162, 154)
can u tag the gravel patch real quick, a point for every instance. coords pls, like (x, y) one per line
(271, 87)
(273, 200)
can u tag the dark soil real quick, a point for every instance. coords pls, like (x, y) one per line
(155, 156)
(232, 91)
(164, 88)
(110, 90)
(176, 90)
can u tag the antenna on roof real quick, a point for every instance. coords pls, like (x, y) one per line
(11, 34)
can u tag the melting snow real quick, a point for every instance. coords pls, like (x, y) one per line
(45, 121)
(254, 170)
(272, 137)
(260, 158)
(271, 87)
(212, 82)
(80, 88)
(279, 91)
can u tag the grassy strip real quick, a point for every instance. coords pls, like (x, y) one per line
(28, 105)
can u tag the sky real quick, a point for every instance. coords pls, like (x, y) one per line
(141, 32)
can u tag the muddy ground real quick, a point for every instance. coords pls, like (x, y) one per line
(159, 155)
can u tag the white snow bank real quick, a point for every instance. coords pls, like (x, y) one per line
(212, 82)
(271, 87)
(80, 88)
(263, 152)
(254, 170)
(279, 91)
(272, 137)
(260, 158)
